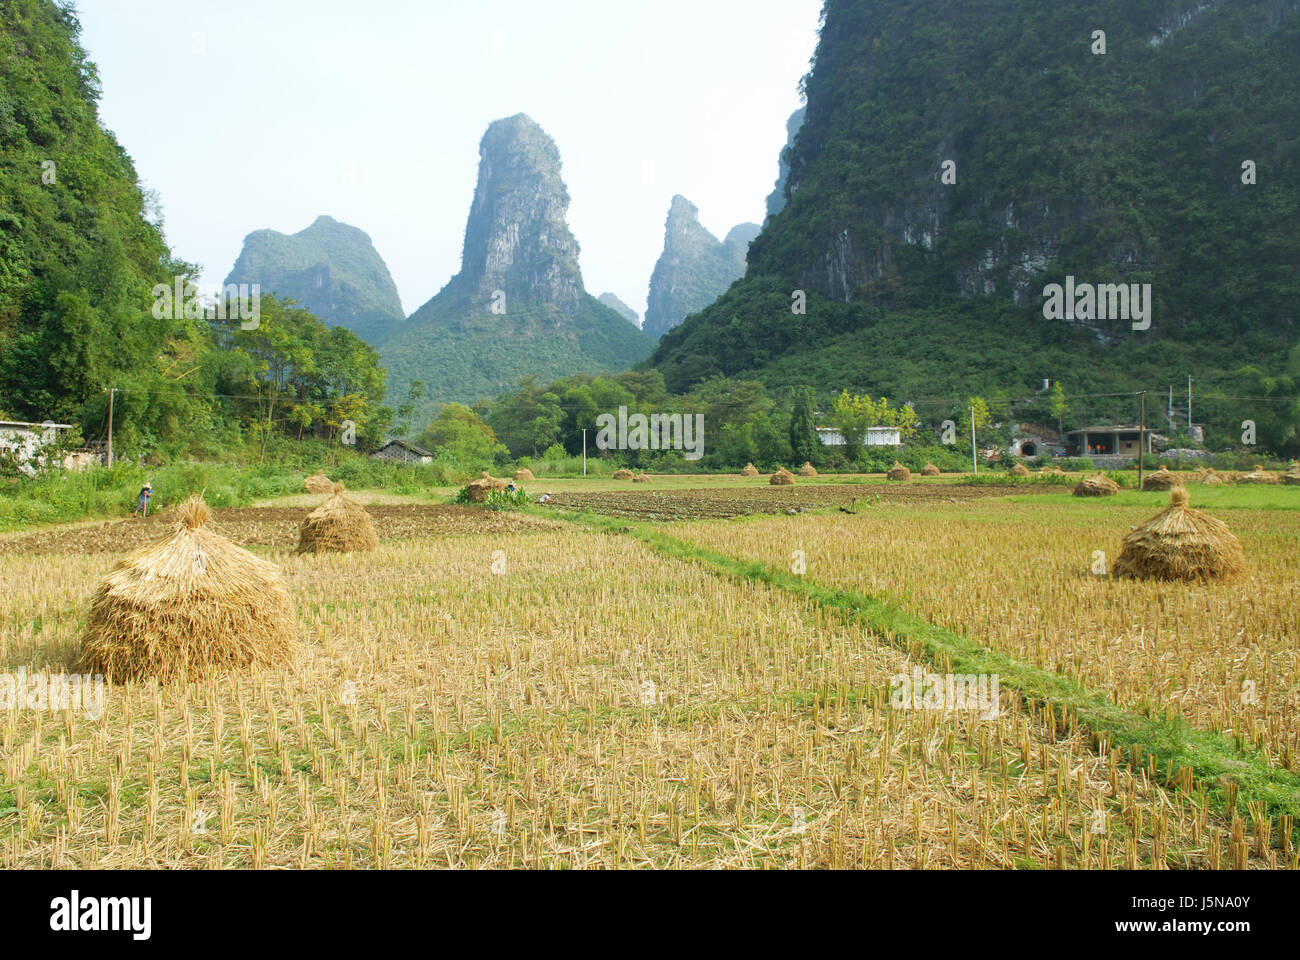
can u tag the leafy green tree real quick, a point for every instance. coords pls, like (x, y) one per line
(982, 417)
(460, 433)
(1059, 406)
(804, 445)
(852, 416)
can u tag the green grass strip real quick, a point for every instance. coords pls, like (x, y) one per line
(1216, 760)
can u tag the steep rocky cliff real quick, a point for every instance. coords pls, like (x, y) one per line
(958, 160)
(777, 201)
(518, 307)
(695, 267)
(332, 269)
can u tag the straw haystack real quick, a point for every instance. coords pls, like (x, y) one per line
(318, 484)
(1052, 471)
(782, 478)
(1162, 479)
(899, 472)
(524, 475)
(1208, 477)
(1098, 486)
(624, 475)
(641, 478)
(930, 470)
(480, 488)
(807, 470)
(1259, 475)
(187, 606)
(1020, 470)
(749, 471)
(1180, 543)
(339, 525)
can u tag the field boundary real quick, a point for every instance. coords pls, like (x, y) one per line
(1235, 779)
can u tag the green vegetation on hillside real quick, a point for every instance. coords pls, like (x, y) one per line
(331, 269)
(466, 353)
(78, 311)
(1122, 167)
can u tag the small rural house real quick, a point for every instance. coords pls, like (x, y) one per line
(1121, 441)
(876, 437)
(400, 451)
(24, 441)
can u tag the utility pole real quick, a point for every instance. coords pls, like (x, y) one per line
(1189, 406)
(974, 460)
(584, 452)
(110, 391)
(1142, 438)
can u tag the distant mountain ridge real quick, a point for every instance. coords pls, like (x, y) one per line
(695, 268)
(332, 269)
(518, 306)
(621, 308)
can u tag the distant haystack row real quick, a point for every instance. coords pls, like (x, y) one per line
(188, 606)
(1259, 475)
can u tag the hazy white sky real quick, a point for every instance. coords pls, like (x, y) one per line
(245, 114)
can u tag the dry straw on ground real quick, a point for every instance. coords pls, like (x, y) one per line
(641, 478)
(524, 475)
(1180, 543)
(188, 606)
(1259, 475)
(899, 472)
(1292, 476)
(749, 471)
(1098, 486)
(624, 475)
(1162, 479)
(319, 483)
(782, 478)
(930, 470)
(339, 525)
(807, 470)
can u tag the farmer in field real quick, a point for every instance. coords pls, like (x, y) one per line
(142, 502)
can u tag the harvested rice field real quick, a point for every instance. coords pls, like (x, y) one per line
(1022, 577)
(555, 691)
(265, 527)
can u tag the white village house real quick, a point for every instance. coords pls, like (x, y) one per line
(26, 440)
(876, 437)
